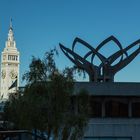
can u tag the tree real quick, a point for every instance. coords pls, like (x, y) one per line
(48, 103)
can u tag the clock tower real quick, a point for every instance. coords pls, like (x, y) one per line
(9, 66)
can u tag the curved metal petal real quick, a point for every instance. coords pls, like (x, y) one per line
(121, 52)
(100, 56)
(111, 38)
(126, 61)
(77, 59)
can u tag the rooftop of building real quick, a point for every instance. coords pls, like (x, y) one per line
(109, 89)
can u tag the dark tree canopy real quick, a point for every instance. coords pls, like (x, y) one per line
(48, 104)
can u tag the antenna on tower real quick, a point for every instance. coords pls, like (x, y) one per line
(11, 23)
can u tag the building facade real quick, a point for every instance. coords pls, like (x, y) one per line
(114, 110)
(9, 66)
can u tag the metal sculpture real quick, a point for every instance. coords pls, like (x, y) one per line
(106, 70)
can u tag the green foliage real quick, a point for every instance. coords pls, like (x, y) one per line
(48, 103)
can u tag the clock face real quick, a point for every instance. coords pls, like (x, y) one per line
(3, 74)
(13, 74)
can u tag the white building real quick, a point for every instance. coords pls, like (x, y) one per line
(9, 66)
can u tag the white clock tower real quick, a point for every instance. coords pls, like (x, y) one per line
(9, 66)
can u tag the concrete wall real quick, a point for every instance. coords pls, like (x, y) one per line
(111, 127)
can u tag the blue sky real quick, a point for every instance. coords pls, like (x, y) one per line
(41, 24)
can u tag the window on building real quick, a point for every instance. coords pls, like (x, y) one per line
(95, 108)
(136, 109)
(12, 57)
(116, 109)
(16, 58)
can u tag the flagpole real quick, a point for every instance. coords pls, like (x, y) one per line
(17, 86)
